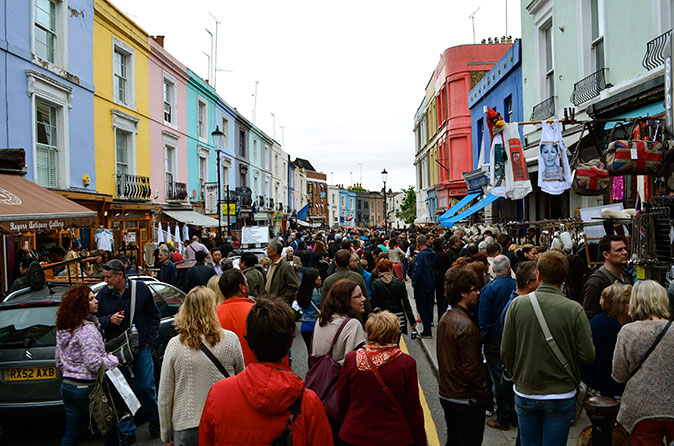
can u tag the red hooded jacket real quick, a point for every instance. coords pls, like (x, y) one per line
(252, 408)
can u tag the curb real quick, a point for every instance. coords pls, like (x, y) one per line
(427, 350)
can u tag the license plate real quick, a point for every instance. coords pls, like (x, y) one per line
(30, 373)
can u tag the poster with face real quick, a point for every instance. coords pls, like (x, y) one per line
(552, 162)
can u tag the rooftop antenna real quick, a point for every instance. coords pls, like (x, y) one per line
(255, 101)
(210, 57)
(215, 57)
(361, 172)
(472, 18)
(506, 18)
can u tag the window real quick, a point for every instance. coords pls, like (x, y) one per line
(549, 70)
(266, 162)
(170, 166)
(508, 107)
(596, 11)
(275, 165)
(343, 201)
(46, 148)
(225, 131)
(202, 120)
(203, 167)
(122, 152)
(242, 143)
(254, 151)
(123, 73)
(170, 107)
(45, 30)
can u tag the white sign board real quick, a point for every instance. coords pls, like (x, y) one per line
(592, 215)
(211, 198)
(251, 235)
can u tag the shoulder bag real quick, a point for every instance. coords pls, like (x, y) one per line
(323, 375)
(126, 346)
(589, 177)
(633, 156)
(218, 365)
(650, 350)
(384, 386)
(581, 387)
(286, 437)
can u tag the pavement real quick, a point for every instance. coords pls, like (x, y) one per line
(491, 436)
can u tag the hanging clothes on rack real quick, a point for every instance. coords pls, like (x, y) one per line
(160, 233)
(179, 244)
(104, 239)
(508, 175)
(169, 237)
(554, 173)
(186, 232)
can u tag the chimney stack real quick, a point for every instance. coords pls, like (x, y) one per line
(159, 40)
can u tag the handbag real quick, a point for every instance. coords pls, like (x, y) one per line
(126, 346)
(384, 386)
(218, 365)
(286, 437)
(323, 374)
(589, 177)
(101, 405)
(581, 387)
(633, 156)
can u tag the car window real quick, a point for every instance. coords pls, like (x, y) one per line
(28, 327)
(171, 298)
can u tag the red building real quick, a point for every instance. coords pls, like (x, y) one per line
(459, 70)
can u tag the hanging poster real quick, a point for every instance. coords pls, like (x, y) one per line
(554, 173)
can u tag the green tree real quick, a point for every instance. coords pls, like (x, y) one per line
(408, 208)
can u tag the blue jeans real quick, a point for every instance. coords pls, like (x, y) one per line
(424, 299)
(405, 263)
(76, 404)
(544, 422)
(144, 387)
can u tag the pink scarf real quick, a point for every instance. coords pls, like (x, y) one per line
(379, 354)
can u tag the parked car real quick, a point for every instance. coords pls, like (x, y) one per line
(259, 253)
(30, 383)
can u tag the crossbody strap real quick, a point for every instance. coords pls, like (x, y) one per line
(339, 331)
(551, 340)
(650, 350)
(214, 360)
(133, 301)
(383, 385)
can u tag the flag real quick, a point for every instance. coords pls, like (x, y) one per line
(160, 233)
(302, 214)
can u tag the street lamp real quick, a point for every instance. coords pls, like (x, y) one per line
(218, 140)
(384, 177)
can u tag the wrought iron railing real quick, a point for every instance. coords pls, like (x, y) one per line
(270, 204)
(176, 191)
(132, 187)
(590, 87)
(655, 51)
(544, 109)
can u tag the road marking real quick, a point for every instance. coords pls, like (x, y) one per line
(429, 424)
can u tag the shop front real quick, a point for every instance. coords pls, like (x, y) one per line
(131, 227)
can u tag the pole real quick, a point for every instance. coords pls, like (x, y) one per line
(385, 214)
(506, 21)
(217, 153)
(255, 102)
(229, 230)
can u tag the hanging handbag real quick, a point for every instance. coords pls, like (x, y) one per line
(214, 360)
(323, 374)
(589, 177)
(126, 346)
(633, 156)
(581, 387)
(101, 406)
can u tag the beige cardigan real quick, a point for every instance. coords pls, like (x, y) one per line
(186, 378)
(351, 337)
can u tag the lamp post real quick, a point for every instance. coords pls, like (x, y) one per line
(218, 137)
(384, 177)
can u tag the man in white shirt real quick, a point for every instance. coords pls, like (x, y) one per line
(192, 248)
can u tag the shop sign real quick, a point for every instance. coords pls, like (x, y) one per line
(211, 197)
(36, 225)
(232, 209)
(129, 237)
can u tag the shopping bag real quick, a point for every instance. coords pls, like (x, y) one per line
(124, 389)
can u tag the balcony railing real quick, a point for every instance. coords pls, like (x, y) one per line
(279, 207)
(132, 187)
(176, 191)
(655, 51)
(270, 204)
(590, 87)
(543, 110)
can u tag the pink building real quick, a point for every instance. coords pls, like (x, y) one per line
(168, 125)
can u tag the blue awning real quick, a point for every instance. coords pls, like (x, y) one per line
(643, 112)
(458, 206)
(490, 198)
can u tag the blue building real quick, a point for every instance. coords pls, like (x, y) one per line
(499, 89)
(347, 207)
(47, 92)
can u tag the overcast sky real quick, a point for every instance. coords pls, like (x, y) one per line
(344, 78)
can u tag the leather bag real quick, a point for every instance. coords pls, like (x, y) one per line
(126, 346)
(589, 177)
(323, 375)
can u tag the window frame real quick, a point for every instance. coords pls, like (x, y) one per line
(225, 132)
(202, 121)
(173, 101)
(61, 36)
(125, 50)
(128, 124)
(170, 148)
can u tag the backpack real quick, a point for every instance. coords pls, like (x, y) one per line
(323, 375)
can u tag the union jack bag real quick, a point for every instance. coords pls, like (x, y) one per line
(589, 177)
(634, 157)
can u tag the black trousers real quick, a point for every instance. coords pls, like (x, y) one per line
(465, 423)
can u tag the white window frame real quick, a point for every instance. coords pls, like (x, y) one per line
(128, 124)
(599, 40)
(58, 95)
(170, 143)
(266, 162)
(225, 165)
(204, 154)
(225, 132)
(171, 81)
(203, 131)
(60, 47)
(254, 159)
(127, 50)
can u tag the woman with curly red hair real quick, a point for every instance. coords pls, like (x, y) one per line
(80, 351)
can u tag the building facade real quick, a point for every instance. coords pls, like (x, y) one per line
(333, 206)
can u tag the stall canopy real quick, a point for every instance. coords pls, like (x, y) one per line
(458, 206)
(28, 207)
(488, 199)
(192, 218)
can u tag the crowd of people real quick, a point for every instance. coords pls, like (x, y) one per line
(518, 328)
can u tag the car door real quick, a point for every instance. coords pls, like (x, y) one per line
(168, 299)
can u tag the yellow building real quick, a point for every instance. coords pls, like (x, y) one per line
(121, 126)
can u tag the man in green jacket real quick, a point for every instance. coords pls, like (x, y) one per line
(542, 384)
(282, 280)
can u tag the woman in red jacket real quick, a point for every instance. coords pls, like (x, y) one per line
(378, 390)
(254, 406)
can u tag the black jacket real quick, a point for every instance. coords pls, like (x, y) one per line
(393, 297)
(443, 261)
(198, 275)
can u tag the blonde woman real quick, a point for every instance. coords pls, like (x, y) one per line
(213, 286)
(647, 406)
(187, 374)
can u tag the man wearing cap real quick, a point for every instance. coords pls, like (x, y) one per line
(114, 314)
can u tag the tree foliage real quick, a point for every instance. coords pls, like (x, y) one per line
(408, 208)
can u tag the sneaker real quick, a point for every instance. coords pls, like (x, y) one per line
(496, 425)
(127, 440)
(154, 429)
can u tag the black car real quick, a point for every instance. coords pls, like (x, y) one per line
(29, 380)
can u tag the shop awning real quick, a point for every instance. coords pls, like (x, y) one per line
(28, 207)
(458, 206)
(651, 110)
(192, 218)
(488, 199)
